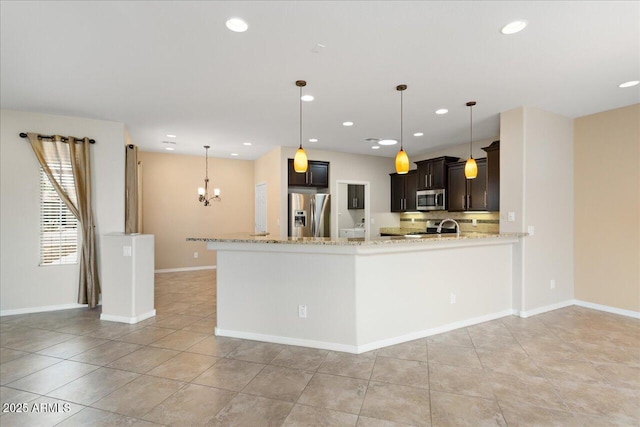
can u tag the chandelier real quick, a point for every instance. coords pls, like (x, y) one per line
(203, 192)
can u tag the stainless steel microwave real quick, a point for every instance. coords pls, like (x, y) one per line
(430, 200)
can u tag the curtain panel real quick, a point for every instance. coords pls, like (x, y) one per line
(77, 151)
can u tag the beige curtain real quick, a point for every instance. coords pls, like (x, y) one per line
(131, 204)
(77, 151)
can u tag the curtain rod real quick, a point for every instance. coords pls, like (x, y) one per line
(24, 135)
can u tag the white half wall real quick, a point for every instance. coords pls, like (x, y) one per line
(536, 183)
(24, 284)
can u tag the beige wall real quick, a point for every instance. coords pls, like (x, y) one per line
(607, 208)
(172, 213)
(268, 170)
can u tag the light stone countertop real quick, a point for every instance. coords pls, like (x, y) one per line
(390, 240)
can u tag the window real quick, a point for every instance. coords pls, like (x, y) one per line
(58, 226)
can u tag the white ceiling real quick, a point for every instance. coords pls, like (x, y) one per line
(173, 68)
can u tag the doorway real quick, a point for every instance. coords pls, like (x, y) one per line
(352, 208)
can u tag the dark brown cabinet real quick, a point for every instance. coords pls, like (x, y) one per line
(432, 173)
(317, 175)
(493, 176)
(355, 196)
(403, 191)
(467, 194)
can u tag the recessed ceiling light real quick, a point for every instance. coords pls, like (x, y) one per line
(313, 140)
(371, 139)
(388, 142)
(418, 134)
(170, 136)
(169, 148)
(237, 25)
(347, 123)
(234, 154)
(375, 147)
(442, 111)
(246, 143)
(307, 98)
(629, 83)
(513, 27)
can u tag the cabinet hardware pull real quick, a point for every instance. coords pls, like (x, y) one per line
(311, 173)
(426, 180)
(485, 198)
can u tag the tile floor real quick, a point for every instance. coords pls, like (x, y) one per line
(569, 367)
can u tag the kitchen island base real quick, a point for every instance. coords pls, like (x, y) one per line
(358, 298)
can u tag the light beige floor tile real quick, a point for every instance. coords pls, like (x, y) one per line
(509, 363)
(254, 411)
(97, 418)
(308, 359)
(458, 337)
(456, 410)
(399, 371)
(555, 368)
(412, 350)
(193, 405)
(374, 422)
(276, 382)
(23, 366)
(521, 414)
(13, 396)
(620, 375)
(113, 330)
(531, 390)
(455, 379)
(608, 353)
(179, 340)
(229, 374)
(32, 340)
(145, 335)
(143, 359)
(139, 396)
(49, 379)
(550, 346)
(397, 403)
(72, 347)
(349, 365)
(183, 367)
(501, 343)
(93, 386)
(493, 327)
(255, 351)
(215, 346)
(302, 415)
(106, 353)
(334, 392)
(604, 421)
(43, 411)
(206, 326)
(453, 355)
(176, 321)
(8, 354)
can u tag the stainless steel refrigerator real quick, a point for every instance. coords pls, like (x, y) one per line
(309, 215)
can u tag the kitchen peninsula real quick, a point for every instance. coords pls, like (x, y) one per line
(356, 295)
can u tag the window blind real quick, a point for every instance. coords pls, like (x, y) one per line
(58, 226)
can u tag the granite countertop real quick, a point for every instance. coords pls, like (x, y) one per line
(389, 240)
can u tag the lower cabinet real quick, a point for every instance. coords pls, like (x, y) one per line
(467, 194)
(403, 191)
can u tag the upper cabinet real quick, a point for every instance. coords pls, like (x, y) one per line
(493, 176)
(403, 192)
(432, 173)
(467, 194)
(317, 175)
(355, 196)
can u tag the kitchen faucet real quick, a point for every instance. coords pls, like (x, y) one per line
(439, 231)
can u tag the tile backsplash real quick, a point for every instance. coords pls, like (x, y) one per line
(486, 222)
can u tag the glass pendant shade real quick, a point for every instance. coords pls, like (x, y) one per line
(470, 168)
(300, 162)
(200, 191)
(402, 162)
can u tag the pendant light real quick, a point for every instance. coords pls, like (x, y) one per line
(471, 168)
(402, 160)
(300, 161)
(203, 192)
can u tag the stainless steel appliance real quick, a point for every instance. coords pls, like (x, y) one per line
(430, 200)
(309, 215)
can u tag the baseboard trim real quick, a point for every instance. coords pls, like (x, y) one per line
(357, 349)
(540, 310)
(608, 309)
(129, 320)
(175, 270)
(42, 309)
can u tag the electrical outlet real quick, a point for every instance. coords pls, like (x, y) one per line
(552, 284)
(474, 222)
(452, 298)
(531, 230)
(126, 251)
(511, 216)
(302, 311)
(195, 254)
(413, 220)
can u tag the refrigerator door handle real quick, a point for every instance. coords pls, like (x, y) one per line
(313, 216)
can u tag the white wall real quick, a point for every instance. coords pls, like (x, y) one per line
(24, 284)
(351, 167)
(536, 183)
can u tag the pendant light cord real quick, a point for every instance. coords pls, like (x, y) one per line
(401, 122)
(471, 131)
(300, 116)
